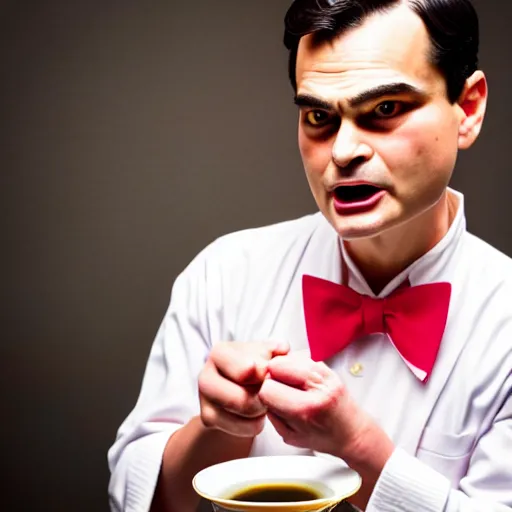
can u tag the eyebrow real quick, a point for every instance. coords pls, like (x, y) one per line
(393, 89)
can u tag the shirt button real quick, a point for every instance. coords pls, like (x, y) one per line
(356, 370)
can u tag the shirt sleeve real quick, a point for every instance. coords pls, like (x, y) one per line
(408, 485)
(168, 396)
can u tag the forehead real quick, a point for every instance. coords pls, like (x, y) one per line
(387, 47)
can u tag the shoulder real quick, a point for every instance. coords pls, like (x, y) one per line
(265, 243)
(259, 247)
(491, 264)
(241, 279)
(284, 232)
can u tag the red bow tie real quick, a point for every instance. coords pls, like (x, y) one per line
(414, 318)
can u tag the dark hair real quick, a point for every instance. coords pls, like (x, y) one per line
(452, 26)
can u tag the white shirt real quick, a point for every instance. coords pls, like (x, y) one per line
(453, 434)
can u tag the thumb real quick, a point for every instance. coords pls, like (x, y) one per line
(271, 349)
(277, 348)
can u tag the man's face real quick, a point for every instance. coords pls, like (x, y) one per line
(377, 134)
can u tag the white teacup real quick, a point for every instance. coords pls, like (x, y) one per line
(332, 479)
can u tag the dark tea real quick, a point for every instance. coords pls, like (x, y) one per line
(277, 492)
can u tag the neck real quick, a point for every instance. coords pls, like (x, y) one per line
(383, 257)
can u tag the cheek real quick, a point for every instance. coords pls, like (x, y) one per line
(423, 143)
(315, 154)
(437, 152)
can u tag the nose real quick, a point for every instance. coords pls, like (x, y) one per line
(349, 149)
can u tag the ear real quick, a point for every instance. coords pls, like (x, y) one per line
(472, 103)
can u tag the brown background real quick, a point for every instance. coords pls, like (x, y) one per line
(132, 134)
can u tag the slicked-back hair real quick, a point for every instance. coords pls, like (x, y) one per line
(452, 26)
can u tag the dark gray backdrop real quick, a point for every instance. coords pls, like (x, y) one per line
(132, 134)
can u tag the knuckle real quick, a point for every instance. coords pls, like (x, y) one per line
(207, 383)
(218, 349)
(232, 404)
(247, 407)
(307, 415)
(330, 399)
(338, 394)
(203, 381)
(252, 408)
(314, 410)
(208, 417)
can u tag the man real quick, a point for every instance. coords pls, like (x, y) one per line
(249, 359)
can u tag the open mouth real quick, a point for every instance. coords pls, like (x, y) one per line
(355, 193)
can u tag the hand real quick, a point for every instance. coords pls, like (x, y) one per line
(310, 408)
(229, 384)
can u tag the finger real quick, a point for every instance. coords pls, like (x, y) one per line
(288, 434)
(283, 400)
(245, 363)
(297, 371)
(219, 419)
(282, 427)
(278, 347)
(237, 365)
(228, 395)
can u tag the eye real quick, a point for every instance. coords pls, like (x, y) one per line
(317, 118)
(388, 109)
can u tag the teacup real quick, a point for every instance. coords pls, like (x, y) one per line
(323, 483)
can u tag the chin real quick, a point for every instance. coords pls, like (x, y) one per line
(358, 227)
(358, 233)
